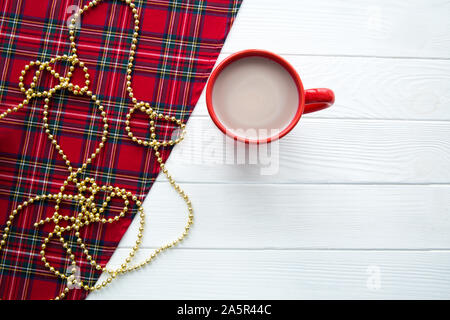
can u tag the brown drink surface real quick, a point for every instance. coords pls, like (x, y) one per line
(255, 93)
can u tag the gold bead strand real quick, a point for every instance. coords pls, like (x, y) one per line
(14, 213)
(89, 211)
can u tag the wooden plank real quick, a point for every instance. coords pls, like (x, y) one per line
(320, 151)
(418, 28)
(374, 88)
(299, 216)
(289, 274)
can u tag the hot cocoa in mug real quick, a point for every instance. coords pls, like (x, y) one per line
(256, 96)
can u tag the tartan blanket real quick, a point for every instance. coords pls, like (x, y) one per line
(178, 45)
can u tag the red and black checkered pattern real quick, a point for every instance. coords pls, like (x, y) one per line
(178, 45)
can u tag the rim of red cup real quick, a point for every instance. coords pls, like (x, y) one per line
(249, 53)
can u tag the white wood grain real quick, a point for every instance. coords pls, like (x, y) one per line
(288, 274)
(418, 28)
(362, 187)
(299, 216)
(374, 88)
(322, 151)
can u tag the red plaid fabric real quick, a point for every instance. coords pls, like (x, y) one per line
(178, 45)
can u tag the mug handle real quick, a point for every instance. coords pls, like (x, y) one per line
(318, 99)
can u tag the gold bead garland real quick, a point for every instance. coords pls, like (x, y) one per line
(88, 188)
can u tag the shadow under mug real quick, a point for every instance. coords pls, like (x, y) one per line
(310, 100)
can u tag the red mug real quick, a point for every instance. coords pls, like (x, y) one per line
(310, 100)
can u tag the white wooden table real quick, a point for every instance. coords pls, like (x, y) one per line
(359, 206)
